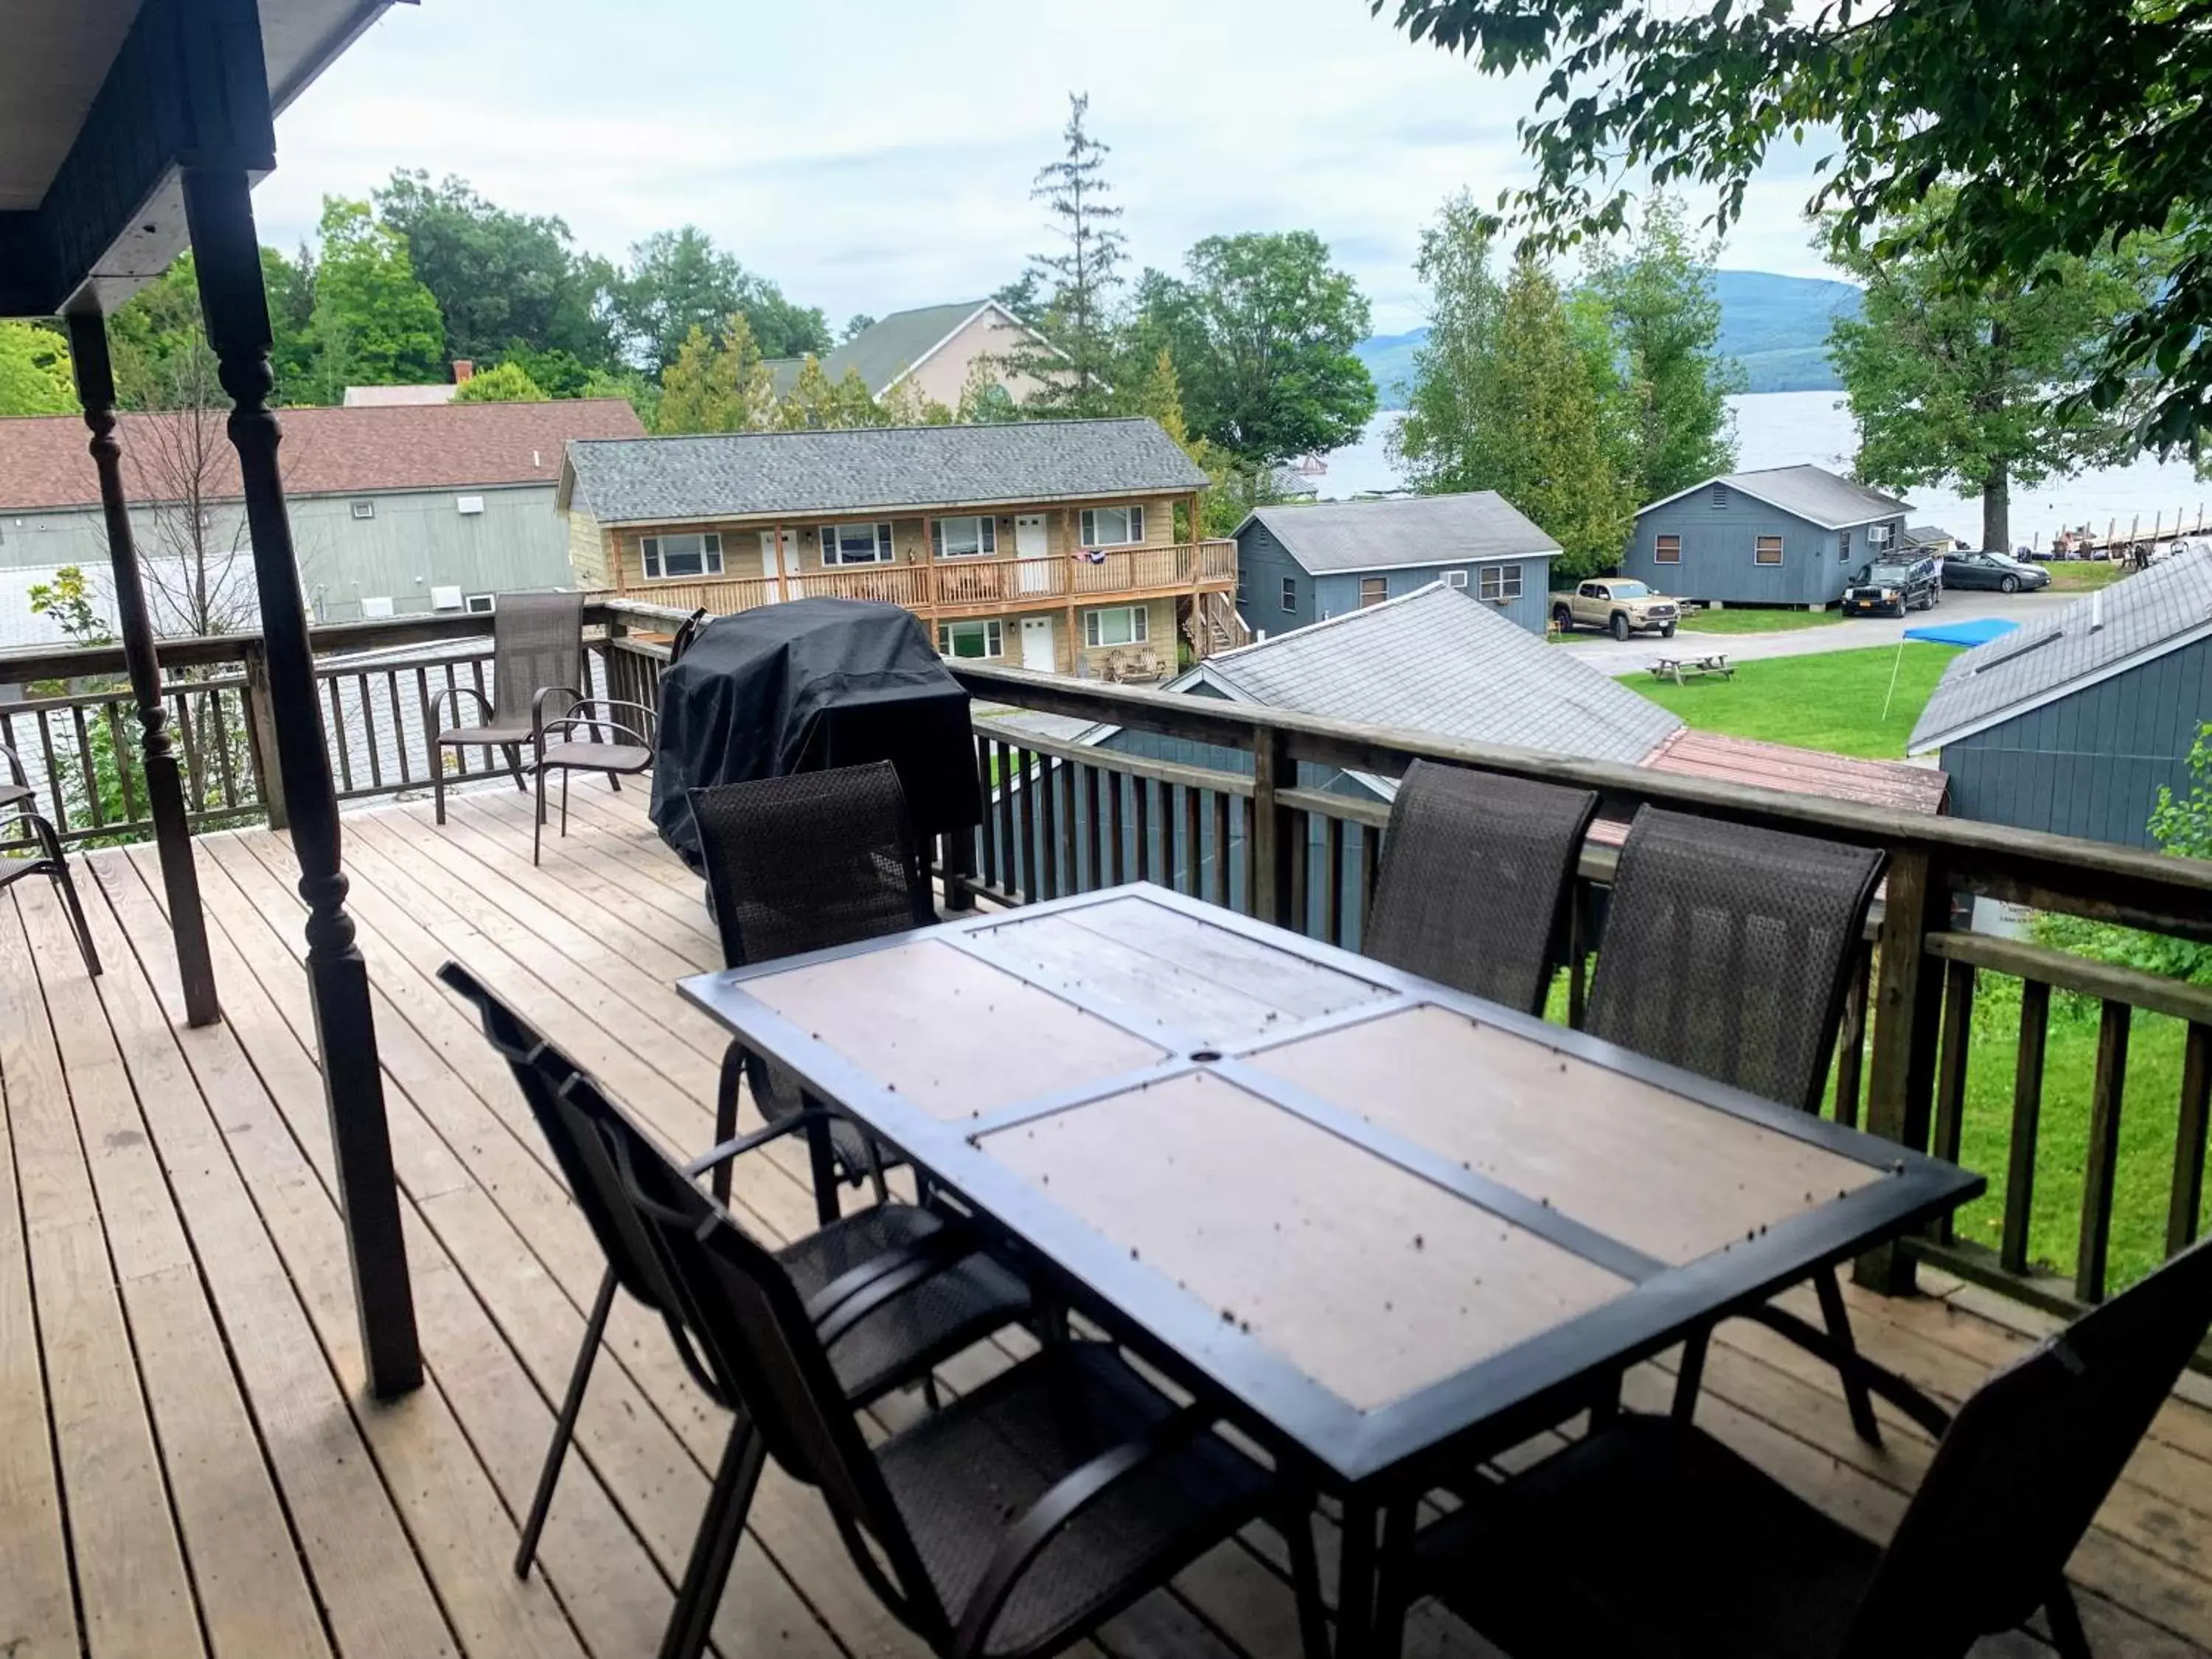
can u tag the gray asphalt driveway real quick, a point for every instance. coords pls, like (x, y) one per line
(1852, 633)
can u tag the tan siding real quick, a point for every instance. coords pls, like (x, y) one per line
(587, 553)
(1160, 637)
(942, 375)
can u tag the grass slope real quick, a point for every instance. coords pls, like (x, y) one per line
(1831, 699)
(1757, 622)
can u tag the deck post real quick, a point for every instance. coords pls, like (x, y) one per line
(1907, 1019)
(219, 213)
(165, 786)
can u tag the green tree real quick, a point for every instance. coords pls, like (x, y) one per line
(374, 322)
(719, 384)
(68, 599)
(984, 399)
(1262, 329)
(1508, 395)
(1949, 375)
(1437, 446)
(679, 280)
(1655, 320)
(155, 336)
(1068, 295)
(908, 405)
(2068, 129)
(34, 371)
(509, 383)
(501, 278)
(817, 403)
(643, 395)
(857, 324)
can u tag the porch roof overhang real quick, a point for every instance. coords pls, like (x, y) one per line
(103, 106)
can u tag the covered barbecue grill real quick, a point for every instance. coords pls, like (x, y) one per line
(809, 685)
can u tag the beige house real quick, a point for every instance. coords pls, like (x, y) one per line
(934, 347)
(1050, 544)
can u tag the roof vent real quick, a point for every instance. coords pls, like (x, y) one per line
(1720, 495)
(2096, 611)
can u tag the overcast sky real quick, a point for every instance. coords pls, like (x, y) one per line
(869, 155)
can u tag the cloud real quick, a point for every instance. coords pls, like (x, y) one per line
(870, 155)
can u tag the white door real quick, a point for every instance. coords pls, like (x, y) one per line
(1031, 543)
(1036, 644)
(784, 560)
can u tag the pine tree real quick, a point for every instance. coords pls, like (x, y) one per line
(1436, 445)
(717, 385)
(1079, 281)
(908, 405)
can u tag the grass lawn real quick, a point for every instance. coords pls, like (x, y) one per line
(1831, 699)
(2083, 576)
(1756, 621)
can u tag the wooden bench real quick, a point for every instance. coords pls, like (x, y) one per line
(1673, 668)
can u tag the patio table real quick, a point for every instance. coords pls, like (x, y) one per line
(1389, 1228)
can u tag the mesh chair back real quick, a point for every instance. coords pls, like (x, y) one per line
(1476, 878)
(537, 641)
(2026, 1466)
(568, 1117)
(1728, 949)
(809, 860)
(763, 1348)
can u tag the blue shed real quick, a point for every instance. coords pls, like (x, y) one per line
(1301, 564)
(2071, 723)
(1786, 535)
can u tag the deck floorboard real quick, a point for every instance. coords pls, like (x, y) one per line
(189, 1464)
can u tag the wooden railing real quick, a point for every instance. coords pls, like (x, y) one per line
(375, 684)
(962, 585)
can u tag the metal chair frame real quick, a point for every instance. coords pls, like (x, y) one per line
(49, 861)
(512, 715)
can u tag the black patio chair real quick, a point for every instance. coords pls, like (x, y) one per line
(929, 1291)
(45, 846)
(1727, 952)
(1652, 1537)
(1477, 874)
(1010, 1524)
(799, 863)
(536, 648)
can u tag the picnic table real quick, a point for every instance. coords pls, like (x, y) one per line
(1384, 1228)
(1673, 668)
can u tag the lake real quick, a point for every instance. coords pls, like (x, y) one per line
(1785, 429)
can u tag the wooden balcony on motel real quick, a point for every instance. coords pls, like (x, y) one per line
(978, 588)
(191, 1462)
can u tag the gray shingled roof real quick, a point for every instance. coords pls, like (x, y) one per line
(1378, 535)
(1812, 493)
(733, 475)
(884, 349)
(2135, 620)
(1438, 661)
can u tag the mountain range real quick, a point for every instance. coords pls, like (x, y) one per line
(1776, 326)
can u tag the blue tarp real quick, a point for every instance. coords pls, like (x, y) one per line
(1980, 631)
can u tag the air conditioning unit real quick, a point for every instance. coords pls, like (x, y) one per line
(445, 598)
(1879, 535)
(468, 503)
(376, 609)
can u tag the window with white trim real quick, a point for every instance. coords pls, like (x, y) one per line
(672, 558)
(1373, 589)
(1289, 593)
(1499, 583)
(1111, 527)
(1667, 550)
(1768, 550)
(1120, 624)
(480, 605)
(971, 639)
(963, 539)
(1454, 579)
(855, 543)
(364, 509)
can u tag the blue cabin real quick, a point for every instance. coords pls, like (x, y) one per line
(1786, 535)
(1302, 564)
(2073, 722)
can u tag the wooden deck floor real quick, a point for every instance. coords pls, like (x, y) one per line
(187, 1462)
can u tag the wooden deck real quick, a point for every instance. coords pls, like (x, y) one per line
(187, 1462)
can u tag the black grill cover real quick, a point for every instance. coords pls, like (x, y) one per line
(806, 686)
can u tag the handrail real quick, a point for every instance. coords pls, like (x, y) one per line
(2048, 871)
